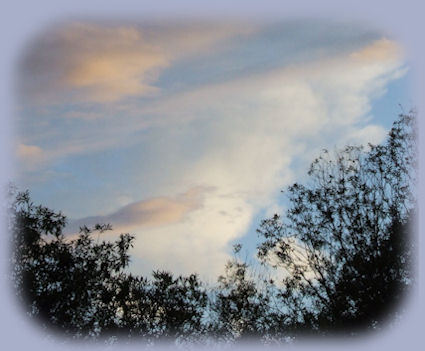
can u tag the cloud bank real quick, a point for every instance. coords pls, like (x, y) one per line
(194, 167)
(253, 130)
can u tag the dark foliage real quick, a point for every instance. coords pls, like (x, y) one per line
(340, 258)
(241, 307)
(343, 244)
(79, 286)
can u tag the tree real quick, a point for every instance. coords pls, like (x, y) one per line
(70, 284)
(242, 309)
(343, 244)
(340, 256)
(79, 286)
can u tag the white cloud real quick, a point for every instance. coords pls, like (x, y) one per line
(242, 137)
(252, 129)
(370, 134)
(199, 243)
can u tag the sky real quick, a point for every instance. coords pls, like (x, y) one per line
(185, 133)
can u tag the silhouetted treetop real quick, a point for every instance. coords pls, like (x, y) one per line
(343, 243)
(337, 260)
(80, 286)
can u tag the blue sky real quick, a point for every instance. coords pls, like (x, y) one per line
(185, 133)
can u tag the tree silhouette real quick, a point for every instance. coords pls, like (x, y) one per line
(241, 307)
(339, 260)
(80, 287)
(343, 244)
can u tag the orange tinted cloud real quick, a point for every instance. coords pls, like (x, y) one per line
(30, 156)
(153, 212)
(112, 63)
(104, 64)
(28, 151)
(378, 51)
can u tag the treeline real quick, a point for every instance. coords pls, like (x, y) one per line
(338, 261)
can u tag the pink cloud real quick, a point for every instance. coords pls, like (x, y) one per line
(153, 212)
